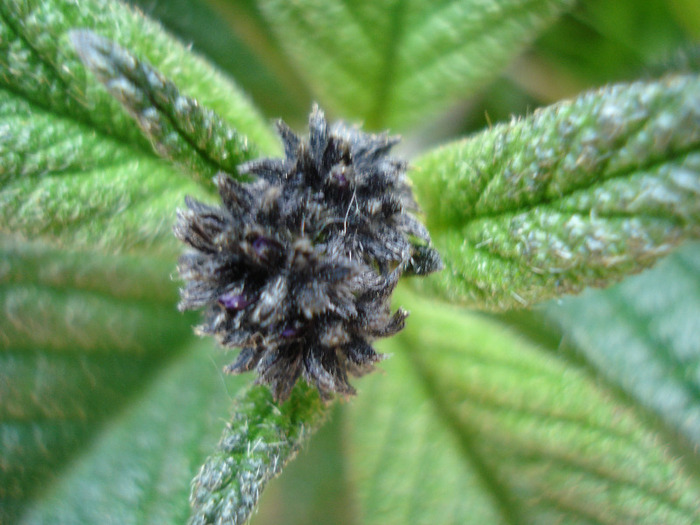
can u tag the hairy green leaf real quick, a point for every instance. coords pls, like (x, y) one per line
(233, 35)
(642, 335)
(392, 62)
(139, 468)
(61, 180)
(79, 332)
(75, 168)
(255, 447)
(476, 425)
(177, 127)
(578, 194)
(38, 61)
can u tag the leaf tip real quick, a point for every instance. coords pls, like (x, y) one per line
(103, 57)
(89, 46)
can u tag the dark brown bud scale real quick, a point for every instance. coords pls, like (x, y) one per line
(297, 267)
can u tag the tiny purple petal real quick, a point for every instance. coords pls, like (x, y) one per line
(340, 179)
(232, 301)
(289, 332)
(264, 247)
(261, 244)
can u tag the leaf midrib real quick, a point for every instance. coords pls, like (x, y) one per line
(503, 498)
(145, 67)
(677, 157)
(377, 117)
(468, 39)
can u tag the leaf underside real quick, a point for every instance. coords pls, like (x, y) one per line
(79, 333)
(477, 425)
(642, 335)
(138, 469)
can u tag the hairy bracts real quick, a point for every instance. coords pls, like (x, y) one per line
(297, 266)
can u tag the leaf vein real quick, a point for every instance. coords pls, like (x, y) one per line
(493, 21)
(653, 164)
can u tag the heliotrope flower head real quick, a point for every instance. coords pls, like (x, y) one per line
(297, 266)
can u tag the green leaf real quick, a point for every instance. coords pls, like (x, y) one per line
(393, 63)
(642, 336)
(472, 424)
(579, 194)
(177, 127)
(79, 333)
(139, 468)
(255, 447)
(39, 62)
(84, 334)
(233, 35)
(75, 167)
(61, 180)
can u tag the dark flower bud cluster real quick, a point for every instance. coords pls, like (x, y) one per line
(297, 266)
